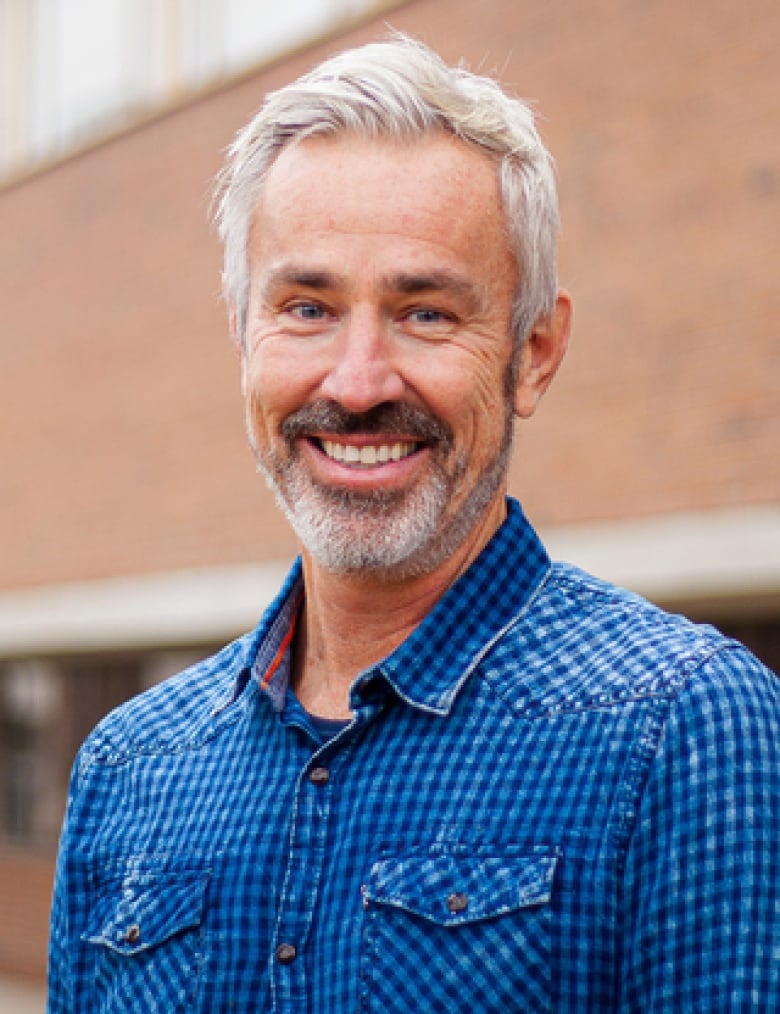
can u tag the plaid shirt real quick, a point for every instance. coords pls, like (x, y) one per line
(552, 797)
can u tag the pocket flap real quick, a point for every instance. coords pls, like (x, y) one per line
(454, 889)
(144, 909)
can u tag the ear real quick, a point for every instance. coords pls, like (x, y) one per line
(541, 356)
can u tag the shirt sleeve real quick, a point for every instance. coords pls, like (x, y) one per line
(702, 878)
(60, 995)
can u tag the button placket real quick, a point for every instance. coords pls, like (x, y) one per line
(297, 905)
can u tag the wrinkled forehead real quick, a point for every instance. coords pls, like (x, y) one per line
(347, 182)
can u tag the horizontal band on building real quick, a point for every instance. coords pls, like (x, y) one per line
(710, 563)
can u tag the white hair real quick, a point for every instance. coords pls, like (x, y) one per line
(400, 89)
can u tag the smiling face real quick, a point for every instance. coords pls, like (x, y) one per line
(377, 363)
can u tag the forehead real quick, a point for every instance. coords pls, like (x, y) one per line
(346, 182)
(437, 195)
(436, 155)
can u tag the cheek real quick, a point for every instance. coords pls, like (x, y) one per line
(268, 386)
(258, 406)
(472, 402)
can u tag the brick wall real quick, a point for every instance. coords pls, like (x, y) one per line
(25, 888)
(122, 440)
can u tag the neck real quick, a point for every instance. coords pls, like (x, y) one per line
(352, 621)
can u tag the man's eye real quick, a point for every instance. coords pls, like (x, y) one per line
(427, 316)
(306, 311)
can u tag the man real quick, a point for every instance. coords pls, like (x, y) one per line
(442, 774)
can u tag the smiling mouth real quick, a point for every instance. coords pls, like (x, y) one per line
(371, 454)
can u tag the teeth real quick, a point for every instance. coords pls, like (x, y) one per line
(371, 455)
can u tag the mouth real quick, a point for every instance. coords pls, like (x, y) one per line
(384, 446)
(366, 455)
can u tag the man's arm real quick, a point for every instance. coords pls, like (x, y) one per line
(60, 996)
(702, 880)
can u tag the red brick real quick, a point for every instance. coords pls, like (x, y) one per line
(122, 443)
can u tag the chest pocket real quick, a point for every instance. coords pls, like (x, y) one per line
(453, 932)
(145, 937)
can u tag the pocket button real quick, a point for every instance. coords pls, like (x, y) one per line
(457, 902)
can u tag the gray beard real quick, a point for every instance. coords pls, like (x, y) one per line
(395, 534)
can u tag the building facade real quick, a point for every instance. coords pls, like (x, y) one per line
(134, 532)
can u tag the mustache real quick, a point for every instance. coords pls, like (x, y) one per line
(396, 418)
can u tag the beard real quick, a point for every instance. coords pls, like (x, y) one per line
(393, 533)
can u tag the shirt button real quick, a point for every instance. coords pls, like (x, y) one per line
(457, 902)
(286, 954)
(319, 776)
(133, 934)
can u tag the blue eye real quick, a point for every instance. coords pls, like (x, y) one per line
(308, 311)
(425, 316)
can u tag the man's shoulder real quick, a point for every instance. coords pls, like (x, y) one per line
(587, 643)
(177, 713)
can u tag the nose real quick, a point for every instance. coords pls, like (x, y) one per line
(363, 372)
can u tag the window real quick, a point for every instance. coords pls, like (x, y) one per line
(47, 708)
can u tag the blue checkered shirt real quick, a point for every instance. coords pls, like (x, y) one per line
(552, 797)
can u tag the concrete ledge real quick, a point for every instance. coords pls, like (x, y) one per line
(20, 997)
(711, 563)
(152, 610)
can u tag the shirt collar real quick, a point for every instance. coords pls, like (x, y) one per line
(270, 666)
(431, 665)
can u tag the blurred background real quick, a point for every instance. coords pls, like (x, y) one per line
(134, 534)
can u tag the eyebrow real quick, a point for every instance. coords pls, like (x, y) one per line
(408, 283)
(431, 281)
(309, 278)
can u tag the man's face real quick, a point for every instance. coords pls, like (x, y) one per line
(378, 353)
